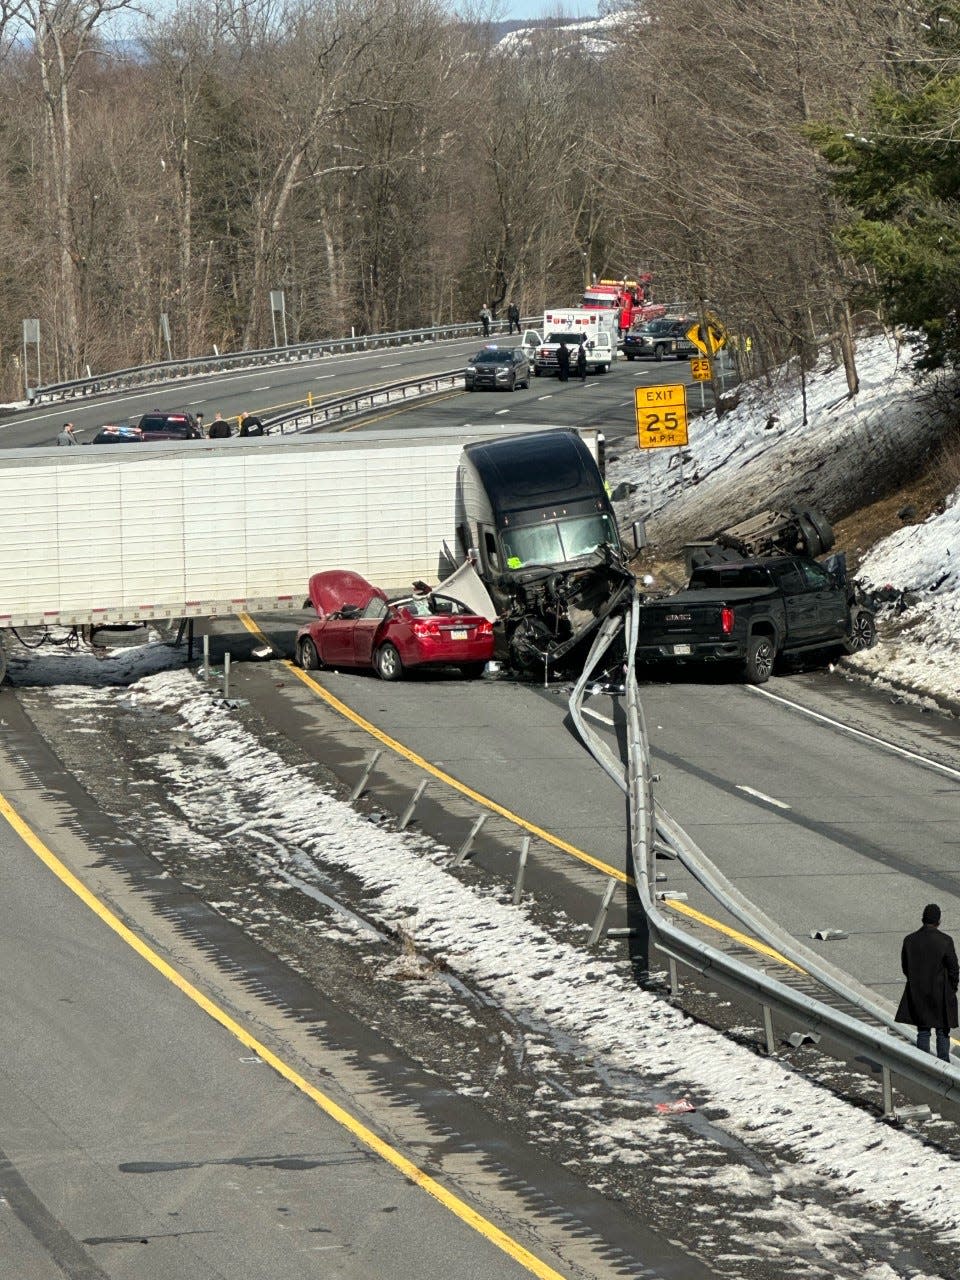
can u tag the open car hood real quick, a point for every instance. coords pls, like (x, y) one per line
(336, 588)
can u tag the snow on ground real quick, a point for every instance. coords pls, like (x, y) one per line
(762, 454)
(819, 1152)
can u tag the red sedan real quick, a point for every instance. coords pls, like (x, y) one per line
(357, 626)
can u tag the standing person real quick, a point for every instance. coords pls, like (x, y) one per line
(582, 361)
(251, 425)
(200, 424)
(513, 317)
(219, 428)
(563, 361)
(66, 435)
(928, 959)
(485, 318)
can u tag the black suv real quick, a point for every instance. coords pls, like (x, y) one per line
(174, 425)
(658, 338)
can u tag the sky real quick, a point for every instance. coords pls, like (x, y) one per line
(824, 1169)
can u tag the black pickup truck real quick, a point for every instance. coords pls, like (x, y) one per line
(751, 611)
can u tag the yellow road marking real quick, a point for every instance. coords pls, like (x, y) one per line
(459, 1208)
(421, 763)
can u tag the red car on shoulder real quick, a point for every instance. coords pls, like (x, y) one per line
(358, 626)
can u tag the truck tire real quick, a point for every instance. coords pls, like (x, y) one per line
(759, 659)
(822, 527)
(536, 373)
(388, 663)
(631, 356)
(863, 630)
(307, 656)
(472, 670)
(658, 351)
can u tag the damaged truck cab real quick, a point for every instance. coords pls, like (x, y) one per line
(535, 512)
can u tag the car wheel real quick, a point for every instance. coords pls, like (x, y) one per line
(472, 670)
(658, 353)
(536, 373)
(307, 656)
(388, 664)
(863, 631)
(631, 356)
(759, 660)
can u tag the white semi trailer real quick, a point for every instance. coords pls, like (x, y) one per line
(129, 533)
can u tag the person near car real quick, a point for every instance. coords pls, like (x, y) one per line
(582, 362)
(563, 362)
(928, 959)
(66, 435)
(251, 425)
(485, 318)
(219, 428)
(513, 317)
(200, 424)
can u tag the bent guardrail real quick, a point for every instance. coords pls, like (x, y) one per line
(892, 1054)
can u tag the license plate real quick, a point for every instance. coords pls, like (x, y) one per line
(680, 649)
(459, 635)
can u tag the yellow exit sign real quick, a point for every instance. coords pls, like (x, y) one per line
(661, 416)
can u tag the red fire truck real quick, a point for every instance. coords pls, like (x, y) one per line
(629, 297)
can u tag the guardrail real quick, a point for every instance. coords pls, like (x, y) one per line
(337, 408)
(195, 366)
(874, 1042)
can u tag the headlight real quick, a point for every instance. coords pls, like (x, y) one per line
(471, 368)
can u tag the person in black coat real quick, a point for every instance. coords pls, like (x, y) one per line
(582, 362)
(929, 962)
(563, 362)
(513, 317)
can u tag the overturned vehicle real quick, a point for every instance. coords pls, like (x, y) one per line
(534, 515)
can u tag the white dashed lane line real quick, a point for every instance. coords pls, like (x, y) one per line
(760, 796)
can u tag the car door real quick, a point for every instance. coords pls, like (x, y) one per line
(365, 630)
(335, 641)
(831, 600)
(799, 602)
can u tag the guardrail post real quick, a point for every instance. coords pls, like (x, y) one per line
(887, 1086)
(206, 657)
(408, 811)
(467, 845)
(768, 1030)
(601, 919)
(674, 977)
(359, 789)
(226, 676)
(521, 870)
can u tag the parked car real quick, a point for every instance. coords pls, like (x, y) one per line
(176, 425)
(358, 626)
(111, 434)
(499, 368)
(659, 338)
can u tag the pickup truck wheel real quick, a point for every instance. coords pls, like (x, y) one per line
(863, 631)
(658, 353)
(536, 373)
(307, 656)
(388, 663)
(631, 356)
(759, 659)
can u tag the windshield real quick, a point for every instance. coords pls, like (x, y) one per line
(493, 357)
(557, 542)
(571, 339)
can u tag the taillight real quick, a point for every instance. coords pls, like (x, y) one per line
(726, 620)
(423, 629)
(485, 628)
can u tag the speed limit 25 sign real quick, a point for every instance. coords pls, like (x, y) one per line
(661, 416)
